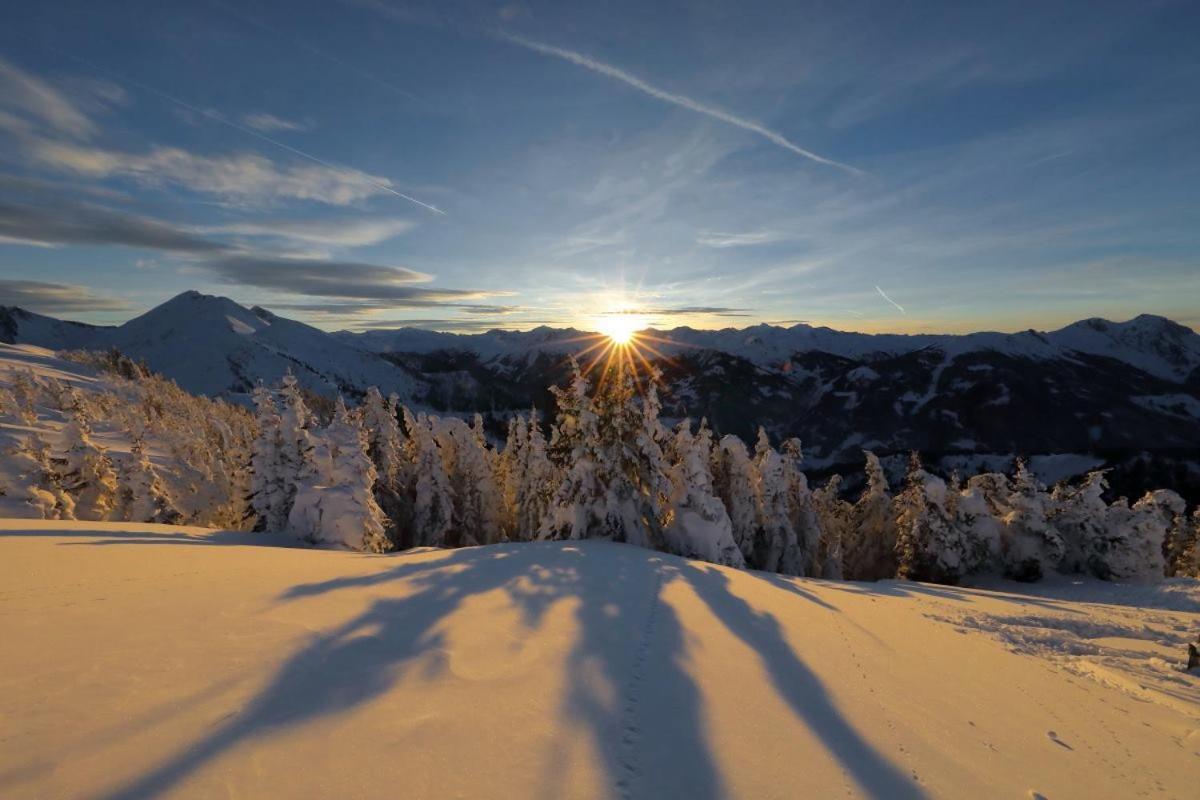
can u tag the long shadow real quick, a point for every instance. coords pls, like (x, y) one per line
(899, 588)
(628, 642)
(800, 688)
(652, 737)
(351, 665)
(110, 537)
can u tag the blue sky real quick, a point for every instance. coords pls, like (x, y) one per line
(365, 163)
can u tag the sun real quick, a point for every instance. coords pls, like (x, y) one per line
(619, 326)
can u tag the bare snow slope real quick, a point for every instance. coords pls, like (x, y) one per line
(143, 661)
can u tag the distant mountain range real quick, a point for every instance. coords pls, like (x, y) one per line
(1092, 387)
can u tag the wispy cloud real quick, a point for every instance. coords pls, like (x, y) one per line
(883, 294)
(608, 70)
(266, 123)
(245, 178)
(338, 280)
(748, 239)
(50, 220)
(331, 232)
(53, 149)
(30, 96)
(66, 222)
(713, 311)
(56, 298)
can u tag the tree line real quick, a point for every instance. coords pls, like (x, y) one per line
(379, 477)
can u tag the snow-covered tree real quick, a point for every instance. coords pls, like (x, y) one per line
(613, 484)
(869, 549)
(509, 468)
(295, 441)
(430, 496)
(30, 485)
(87, 471)
(804, 560)
(1187, 551)
(469, 465)
(143, 497)
(1134, 549)
(929, 546)
(735, 482)
(1080, 516)
(268, 494)
(1178, 548)
(335, 498)
(385, 446)
(978, 520)
(835, 516)
(775, 545)
(528, 478)
(1030, 548)
(700, 527)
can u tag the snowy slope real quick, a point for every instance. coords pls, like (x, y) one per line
(146, 661)
(213, 346)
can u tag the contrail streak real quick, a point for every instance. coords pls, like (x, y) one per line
(675, 99)
(883, 294)
(213, 115)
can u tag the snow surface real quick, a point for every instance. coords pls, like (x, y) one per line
(143, 660)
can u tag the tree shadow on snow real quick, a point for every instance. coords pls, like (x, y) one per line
(799, 687)
(627, 682)
(626, 639)
(100, 536)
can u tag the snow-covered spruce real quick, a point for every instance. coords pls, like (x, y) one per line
(335, 500)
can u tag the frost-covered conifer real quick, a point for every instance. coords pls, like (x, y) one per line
(776, 540)
(979, 522)
(929, 546)
(385, 446)
(431, 498)
(1180, 541)
(87, 471)
(535, 487)
(335, 500)
(295, 441)
(143, 497)
(509, 473)
(30, 486)
(1080, 516)
(869, 549)
(834, 515)
(804, 560)
(700, 527)
(468, 465)
(734, 480)
(268, 494)
(612, 485)
(1138, 553)
(1030, 548)
(1187, 557)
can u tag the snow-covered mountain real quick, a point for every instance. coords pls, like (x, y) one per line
(214, 346)
(1097, 389)
(1149, 343)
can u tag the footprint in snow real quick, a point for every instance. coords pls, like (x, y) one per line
(1054, 738)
